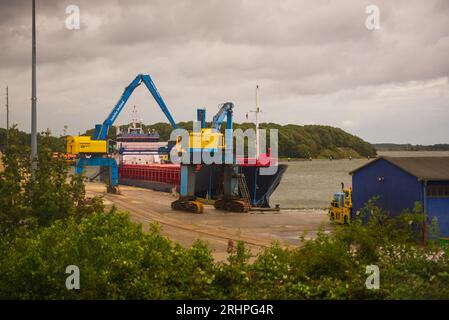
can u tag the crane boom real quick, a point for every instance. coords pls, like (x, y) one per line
(101, 131)
(225, 111)
(150, 85)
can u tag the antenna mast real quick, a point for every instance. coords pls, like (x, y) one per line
(134, 120)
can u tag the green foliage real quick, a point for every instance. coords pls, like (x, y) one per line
(42, 197)
(119, 261)
(47, 194)
(13, 210)
(23, 139)
(316, 141)
(295, 141)
(410, 147)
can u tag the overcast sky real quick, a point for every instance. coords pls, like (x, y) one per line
(315, 63)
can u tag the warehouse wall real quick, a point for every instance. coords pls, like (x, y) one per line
(396, 188)
(438, 204)
(439, 208)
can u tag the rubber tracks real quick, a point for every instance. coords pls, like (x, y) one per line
(232, 205)
(188, 205)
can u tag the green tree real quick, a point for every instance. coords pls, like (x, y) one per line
(13, 179)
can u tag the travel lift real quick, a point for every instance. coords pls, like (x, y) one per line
(210, 140)
(95, 151)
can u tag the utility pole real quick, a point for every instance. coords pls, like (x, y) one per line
(7, 117)
(33, 91)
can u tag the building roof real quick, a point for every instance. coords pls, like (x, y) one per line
(424, 168)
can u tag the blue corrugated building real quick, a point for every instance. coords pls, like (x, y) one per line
(401, 181)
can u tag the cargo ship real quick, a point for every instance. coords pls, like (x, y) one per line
(166, 177)
(142, 165)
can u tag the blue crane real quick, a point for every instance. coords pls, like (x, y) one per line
(225, 111)
(101, 130)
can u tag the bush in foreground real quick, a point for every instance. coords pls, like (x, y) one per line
(118, 260)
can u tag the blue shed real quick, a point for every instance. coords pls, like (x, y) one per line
(401, 181)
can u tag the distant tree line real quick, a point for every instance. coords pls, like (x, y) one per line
(410, 147)
(295, 141)
(309, 141)
(56, 144)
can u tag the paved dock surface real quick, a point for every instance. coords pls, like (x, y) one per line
(257, 230)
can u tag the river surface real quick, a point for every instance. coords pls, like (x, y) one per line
(311, 184)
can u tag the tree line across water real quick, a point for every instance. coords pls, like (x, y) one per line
(410, 147)
(48, 224)
(310, 141)
(294, 141)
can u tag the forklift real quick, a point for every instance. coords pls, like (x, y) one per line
(340, 210)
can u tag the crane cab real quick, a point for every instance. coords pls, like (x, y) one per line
(85, 145)
(206, 139)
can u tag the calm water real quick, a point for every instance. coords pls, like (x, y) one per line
(310, 184)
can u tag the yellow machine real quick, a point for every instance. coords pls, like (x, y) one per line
(206, 139)
(85, 145)
(341, 206)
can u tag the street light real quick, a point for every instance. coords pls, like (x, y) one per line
(33, 91)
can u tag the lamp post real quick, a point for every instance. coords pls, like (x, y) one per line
(7, 116)
(33, 91)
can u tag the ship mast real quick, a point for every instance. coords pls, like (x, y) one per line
(257, 111)
(134, 118)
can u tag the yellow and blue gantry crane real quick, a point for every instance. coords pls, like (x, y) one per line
(94, 151)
